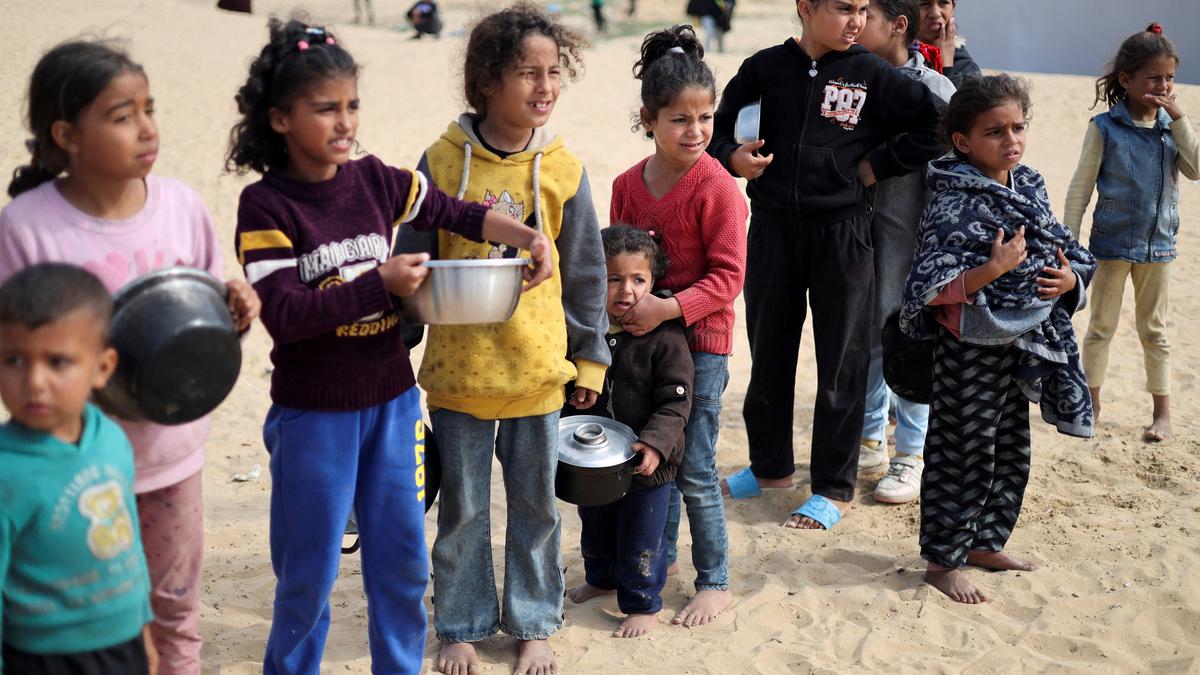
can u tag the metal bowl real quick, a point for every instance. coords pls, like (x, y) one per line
(466, 291)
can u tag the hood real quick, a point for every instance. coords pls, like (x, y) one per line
(955, 173)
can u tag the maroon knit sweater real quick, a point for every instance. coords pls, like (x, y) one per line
(702, 226)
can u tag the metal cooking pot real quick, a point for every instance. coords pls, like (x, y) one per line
(179, 351)
(595, 460)
(466, 292)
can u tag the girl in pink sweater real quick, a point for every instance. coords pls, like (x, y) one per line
(688, 199)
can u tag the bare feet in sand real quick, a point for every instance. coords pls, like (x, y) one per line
(534, 657)
(953, 583)
(672, 569)
(1160, 429)
(457, 658)
(703, 608)
(585, 591)
(765, 483)
(806, 523)
(635, 625)
(999, 561)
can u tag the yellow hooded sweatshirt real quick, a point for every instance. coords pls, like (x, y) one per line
(557, 334)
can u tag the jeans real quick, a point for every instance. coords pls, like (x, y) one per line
(622, 546)
(464, 585)
(712, 32)
(912, 419)
(322, 465)
(697, 479)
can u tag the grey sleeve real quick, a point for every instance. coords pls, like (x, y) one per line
(584, 277)
(410, 240)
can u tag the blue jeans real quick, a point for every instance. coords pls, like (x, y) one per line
(622, 547)
(912, 419)
(697, 479)
(322, 465)
(464, 585)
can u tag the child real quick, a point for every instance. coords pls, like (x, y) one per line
(890, 29)
(716, 18)
(828, 106)
(649, 388)
(75, 590)
(938, 28)
(696, 207)
(512, 374)
(344, 429)
(425, 19)
(1133, 154)
(92, 118)
(995, 284)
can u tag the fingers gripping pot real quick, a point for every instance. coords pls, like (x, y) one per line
(595, 460)
(179, 353)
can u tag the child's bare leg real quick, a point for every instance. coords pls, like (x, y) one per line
(1095, 391)
(672, 569)
(636, 625)
(1160, 427)
(457, 658)
(585, 591)
(703, 608)
(954, 584)
(534, 657)
(998, 560)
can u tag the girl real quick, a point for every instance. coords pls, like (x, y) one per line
(995, 284)
(938, 27)
(87, 198)
(344, 429)
(649, 388)
(1133, 154)
(694, 203)
(828, 106)
(514, 373)
(889, 33)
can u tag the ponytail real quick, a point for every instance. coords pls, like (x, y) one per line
(672, 60)
(1135, 52)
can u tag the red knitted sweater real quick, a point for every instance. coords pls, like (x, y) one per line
(702, 225)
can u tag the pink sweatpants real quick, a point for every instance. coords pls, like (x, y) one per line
(173, 538)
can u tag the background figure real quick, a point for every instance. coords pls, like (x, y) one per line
(598, 16)
(234, 5)
(425, 19)
(358, 10)
(715, 17)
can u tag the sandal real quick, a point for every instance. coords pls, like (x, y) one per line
(821, 511)
(744, 485)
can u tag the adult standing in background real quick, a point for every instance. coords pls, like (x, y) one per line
(938, 28)
(234, 5)
(716, 18)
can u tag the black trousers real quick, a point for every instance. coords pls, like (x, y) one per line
(126, 658)
(976, 452)
(832, 267)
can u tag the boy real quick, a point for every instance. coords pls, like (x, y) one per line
(76, 593)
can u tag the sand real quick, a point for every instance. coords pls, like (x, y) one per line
(1110, 521)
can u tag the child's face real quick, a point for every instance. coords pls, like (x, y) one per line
(527, 91)
(1156, 77)
(878, 32)
(833, 24)
(319, 127)
(115, 137)
(683, 129)
(629, 279)
(48, 373)
(996, 141)
(935, 15)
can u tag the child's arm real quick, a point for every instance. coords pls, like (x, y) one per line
(1083, 183)
(1005, 256)
(1189, 148)
(242, 300)
(584, 283)
(910, 115)
(673, 373)
(739, 159)
(13, 256)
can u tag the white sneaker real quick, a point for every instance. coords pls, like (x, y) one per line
(870, 459)
(902, 482)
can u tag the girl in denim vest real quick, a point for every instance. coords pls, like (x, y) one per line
(1133, 155)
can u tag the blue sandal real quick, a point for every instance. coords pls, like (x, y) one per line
(821, 511)
(743, 484)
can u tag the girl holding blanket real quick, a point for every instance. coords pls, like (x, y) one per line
(995, 281)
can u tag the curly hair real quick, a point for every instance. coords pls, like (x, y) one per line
(297, 56)
(979, 95)
(672, 60)
(64, 83)
(620, 239)
(498, 41)
(1135, 51)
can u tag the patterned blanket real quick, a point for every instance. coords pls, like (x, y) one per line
(956, 234)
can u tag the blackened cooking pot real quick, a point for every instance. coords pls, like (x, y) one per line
(595, 460)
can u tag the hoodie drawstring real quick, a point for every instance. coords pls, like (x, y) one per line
(465, 180)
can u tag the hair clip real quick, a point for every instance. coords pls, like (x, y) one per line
(651, 233)
(301, 45)
(1155, 28)
(676, 50)
(316, 34)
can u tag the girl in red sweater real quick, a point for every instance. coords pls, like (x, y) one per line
(694, 205)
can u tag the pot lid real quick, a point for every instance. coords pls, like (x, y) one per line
(594, 442)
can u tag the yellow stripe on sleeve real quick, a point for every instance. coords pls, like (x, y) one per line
(259, 239)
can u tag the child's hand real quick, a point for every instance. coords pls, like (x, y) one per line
(866, 175)
(402, 274)
(243, 302)
(583, 398)
(651, 458)
(947, 42)
(1058, 281)
(1166, 102)
(543, 262)
(648, 313)
(746, 163)
(1007, 255)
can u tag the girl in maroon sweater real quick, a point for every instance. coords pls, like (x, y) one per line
(687, 198)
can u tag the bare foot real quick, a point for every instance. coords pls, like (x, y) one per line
(1095, 392)
(585, 592)
(672, 569)
(954, 584)
(534, 657)
(703, 608)
(457, 658)
(635, 625)
(765, 483)
(806, 523)
(1159, 430)
(998, 560)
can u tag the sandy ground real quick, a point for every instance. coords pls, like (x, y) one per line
(1109, 521)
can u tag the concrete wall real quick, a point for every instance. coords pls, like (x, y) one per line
(1076, 37)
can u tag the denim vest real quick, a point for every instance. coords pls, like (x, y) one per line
(1137, 213)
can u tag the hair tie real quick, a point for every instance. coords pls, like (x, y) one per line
(301, 45)
(651, 233)
(317, 35)
(676, 50)
(1155, 28)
